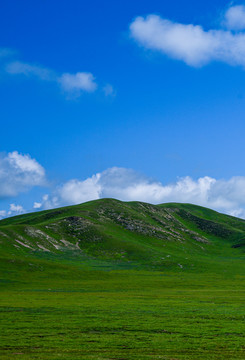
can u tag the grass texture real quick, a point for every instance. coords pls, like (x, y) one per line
(110, 280)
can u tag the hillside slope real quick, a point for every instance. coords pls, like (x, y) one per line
(109, 233)
(180, 294)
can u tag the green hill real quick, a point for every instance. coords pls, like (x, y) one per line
(122, 280)
(115, 234)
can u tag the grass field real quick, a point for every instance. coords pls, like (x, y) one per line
(72, 305)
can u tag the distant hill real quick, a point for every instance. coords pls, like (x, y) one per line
(114, 234)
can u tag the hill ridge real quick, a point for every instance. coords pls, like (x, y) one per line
(121, 233)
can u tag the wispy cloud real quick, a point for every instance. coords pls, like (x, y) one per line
(191, 43)
(109, 90)
(69, 83)
(18, 67)
(72, 84)
(6, 52)
(19, 173)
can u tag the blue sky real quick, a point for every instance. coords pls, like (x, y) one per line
(127, 91)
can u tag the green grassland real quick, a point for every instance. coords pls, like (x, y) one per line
(114, 280)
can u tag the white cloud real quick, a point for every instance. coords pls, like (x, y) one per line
(37, 205)
(18, 173)
(81, 81)
(227, 196)
(238, 213)
(234, 18)
(15, 209)
(79, 191)
(74, 192)
(70, 83)
(3, 214)
(189, 43)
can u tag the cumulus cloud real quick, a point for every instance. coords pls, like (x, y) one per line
(227, 196)
(234, 18)
(19, 173)
(74, 192)
(191, 43)
(69, 83)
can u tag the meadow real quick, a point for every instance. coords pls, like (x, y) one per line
(62, 306)
(124, 315)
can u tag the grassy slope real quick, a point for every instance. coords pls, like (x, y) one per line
(180, 296)
(126, 235)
